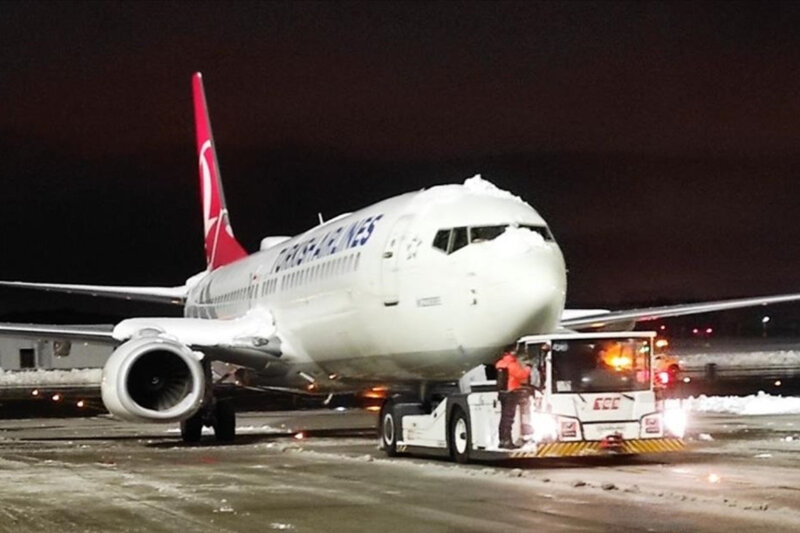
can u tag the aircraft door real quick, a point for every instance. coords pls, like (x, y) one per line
(254, 288)
(390, 261)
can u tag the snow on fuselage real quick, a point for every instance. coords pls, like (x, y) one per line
(419, 286)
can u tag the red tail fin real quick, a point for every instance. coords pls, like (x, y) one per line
(221, 246)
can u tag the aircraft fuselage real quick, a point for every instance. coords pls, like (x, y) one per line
(387, 293)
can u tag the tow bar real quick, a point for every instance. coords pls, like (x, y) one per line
(612, 443)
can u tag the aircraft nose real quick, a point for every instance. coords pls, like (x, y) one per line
(525, 282)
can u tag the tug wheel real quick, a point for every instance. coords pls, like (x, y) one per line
(460, 439)
(387, 428)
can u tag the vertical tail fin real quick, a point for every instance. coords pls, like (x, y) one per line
(221, 246)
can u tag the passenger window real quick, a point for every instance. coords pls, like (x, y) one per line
(442, 240)
(459, 239)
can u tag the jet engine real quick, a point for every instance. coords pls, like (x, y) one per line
(153, 379)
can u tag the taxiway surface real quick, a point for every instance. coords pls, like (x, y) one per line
(96, 474)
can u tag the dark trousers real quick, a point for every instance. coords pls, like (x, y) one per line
(508, 403)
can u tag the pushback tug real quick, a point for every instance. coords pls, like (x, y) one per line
(595, 396)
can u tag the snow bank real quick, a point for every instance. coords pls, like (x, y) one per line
(788, 358)
(755, 404)
(241, 430)
(26, 378)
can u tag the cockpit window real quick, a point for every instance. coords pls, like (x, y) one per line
(459, 239)
(541, 230)
(452, 240)
(442, 240)
(485, 233)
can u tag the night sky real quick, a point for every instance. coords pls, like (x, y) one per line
(661, 141)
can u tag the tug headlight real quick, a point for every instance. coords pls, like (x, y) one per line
(545, 427)
(675, 422)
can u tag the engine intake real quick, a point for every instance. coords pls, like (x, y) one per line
(153, 379)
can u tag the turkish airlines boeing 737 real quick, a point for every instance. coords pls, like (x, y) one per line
(412, 290)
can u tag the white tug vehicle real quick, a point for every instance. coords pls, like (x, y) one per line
(591, 394)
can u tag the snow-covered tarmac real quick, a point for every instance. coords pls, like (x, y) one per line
(95, 474)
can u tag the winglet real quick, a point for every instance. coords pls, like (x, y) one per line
(222, 247)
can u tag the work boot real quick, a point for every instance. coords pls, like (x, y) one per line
(508, 444)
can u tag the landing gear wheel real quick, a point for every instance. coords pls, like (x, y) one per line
(387, 429)
(460, 439)
(224, 422)
(192, 428)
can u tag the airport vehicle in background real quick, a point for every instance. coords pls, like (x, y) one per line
(595, 397)
(406, 294)
(666, 368)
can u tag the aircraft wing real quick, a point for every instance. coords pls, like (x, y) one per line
(579, 319)
(94, 333)
(170, 295)
(252, 330)
(250, 340)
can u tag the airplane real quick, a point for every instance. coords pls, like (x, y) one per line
(409, 292)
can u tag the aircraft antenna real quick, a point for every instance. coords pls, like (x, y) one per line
(321, 220)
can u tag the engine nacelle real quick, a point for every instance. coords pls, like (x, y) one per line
(153, 379)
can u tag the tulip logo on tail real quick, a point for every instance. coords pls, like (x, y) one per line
(221, 246)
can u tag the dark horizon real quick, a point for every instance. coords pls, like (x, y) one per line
(660, 141)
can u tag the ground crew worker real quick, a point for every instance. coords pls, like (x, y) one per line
(516, 393)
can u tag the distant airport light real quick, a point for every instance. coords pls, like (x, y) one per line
(687, 379)
(56, 397)
(709, 331)
(695, 331)
(662, 343)
(663, 377)
(713, 478)
(662, 327)
(299, 435)
(777, 383)
(80, 403)
(765, 320)
(35, 392)
(374, 408)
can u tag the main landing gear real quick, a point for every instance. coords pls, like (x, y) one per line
(215, 413)
(219, 414)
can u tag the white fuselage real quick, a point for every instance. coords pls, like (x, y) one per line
(369, 297)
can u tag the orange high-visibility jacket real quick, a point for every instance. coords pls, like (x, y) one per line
(517, 374)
